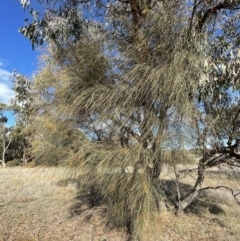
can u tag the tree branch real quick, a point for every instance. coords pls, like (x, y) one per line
(211, 11)
(228, 188)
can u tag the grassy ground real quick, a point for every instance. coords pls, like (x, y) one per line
(45, 204)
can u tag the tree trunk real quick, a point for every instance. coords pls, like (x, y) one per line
(3, 156)
(4, 151)
(182, 204)
(24, 159)
(3, 164)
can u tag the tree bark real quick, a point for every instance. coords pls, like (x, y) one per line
(184, 203)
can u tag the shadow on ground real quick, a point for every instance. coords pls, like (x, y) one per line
(88, 199)
(206, 202)
(69, 181)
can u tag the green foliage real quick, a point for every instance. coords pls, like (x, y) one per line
(3, 118)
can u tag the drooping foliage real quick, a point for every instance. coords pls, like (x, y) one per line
(121, 90)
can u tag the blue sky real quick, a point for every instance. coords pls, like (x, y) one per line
(15, 50)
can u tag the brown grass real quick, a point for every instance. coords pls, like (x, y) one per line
(45, 204)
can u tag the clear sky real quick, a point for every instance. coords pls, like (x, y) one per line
(15, 50)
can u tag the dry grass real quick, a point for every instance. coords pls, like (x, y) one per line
(45, 204)
(36, 205)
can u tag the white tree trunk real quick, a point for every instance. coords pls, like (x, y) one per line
(4, 151)
(3, 163)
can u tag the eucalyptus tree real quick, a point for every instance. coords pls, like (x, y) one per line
(4, 134)
(13, 139)
(6, 140)
(218, 125)
(134, 77)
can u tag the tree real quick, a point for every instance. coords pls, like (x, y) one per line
(4, 133)
(15, 140)
(6, 141)
(218, 126)
(19, 150)
(139, 79)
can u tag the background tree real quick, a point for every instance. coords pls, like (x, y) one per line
(19, 149)
(4, 134)
(6, 141)
(13, 139)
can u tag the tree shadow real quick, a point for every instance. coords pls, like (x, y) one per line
(69, 181)
(204, 203)
(89, 198)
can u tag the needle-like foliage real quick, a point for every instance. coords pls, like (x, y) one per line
(132, 86)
